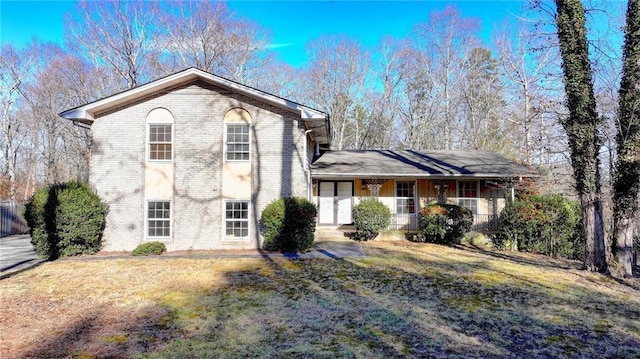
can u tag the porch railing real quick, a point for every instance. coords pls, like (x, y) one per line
(409, 222)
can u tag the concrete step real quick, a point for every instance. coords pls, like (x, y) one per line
(327, 233)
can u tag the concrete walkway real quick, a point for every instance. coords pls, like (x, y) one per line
(327, 249)
(17, 254)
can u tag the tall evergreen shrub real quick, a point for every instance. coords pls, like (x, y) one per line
(547, 224)
(66, 219)
(288, 224)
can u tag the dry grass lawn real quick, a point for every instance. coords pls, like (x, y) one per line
(403, 300)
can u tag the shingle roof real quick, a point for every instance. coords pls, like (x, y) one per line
(435, 164)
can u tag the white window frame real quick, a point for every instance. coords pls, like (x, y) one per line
(467, 201)
(396, 198)
(227, 143)
(148, 219)
(227, 220)
(149, 142)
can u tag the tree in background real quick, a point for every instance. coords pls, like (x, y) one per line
(116, 34)
(627, 169)
(334, 82)
(582, 126)
(524, 63)
(444, 43)
(208, 36)
(482, 102)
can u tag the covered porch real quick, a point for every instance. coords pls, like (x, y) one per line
(409, 180)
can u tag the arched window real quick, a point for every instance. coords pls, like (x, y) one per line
(237, 135)
(160, 135)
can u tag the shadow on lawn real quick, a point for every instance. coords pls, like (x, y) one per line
(392, 304)
(106, 333)
(352, 308)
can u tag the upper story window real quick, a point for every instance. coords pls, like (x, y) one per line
(405, 198)
(160, 145)
(238, 145)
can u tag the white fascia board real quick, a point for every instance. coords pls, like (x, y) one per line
(309, 114)
(88, 111)
(305, 112)
(77, 114)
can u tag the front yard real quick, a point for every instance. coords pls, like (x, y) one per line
(403, 300)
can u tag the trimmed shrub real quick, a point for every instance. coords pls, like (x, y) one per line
(149, 248)
(547, 224)
(66, 219)
(370, 217)
(288, 224)
(34, 214)
(443, 223)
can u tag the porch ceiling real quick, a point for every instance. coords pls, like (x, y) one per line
(433, 164)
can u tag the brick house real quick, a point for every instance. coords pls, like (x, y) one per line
(192, 159)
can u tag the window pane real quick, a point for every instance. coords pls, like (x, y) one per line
(159, 219)
(405, 198)
(238, 144)
(237, 219)
(468, 189)
(160, 142)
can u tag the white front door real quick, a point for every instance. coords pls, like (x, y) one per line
(345, 192)
(326, 202)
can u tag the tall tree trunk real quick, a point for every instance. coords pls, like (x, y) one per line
(626, 213)
(582, 126)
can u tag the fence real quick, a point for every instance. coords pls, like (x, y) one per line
(409, 222)
(12, 221)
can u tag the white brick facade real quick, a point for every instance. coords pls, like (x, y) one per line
(119, 153)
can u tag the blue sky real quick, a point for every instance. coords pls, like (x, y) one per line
(292, 24)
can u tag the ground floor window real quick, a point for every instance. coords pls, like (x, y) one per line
(159, 219)
(405, 198)
(468, 195)
(236, 219)
(470, 203)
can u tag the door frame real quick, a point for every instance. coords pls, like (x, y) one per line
(335, 199)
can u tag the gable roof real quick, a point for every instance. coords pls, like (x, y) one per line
(413, 164)
(315, 120)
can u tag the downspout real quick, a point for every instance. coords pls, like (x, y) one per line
(306, 165)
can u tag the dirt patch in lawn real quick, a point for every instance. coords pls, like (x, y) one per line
(403, 300)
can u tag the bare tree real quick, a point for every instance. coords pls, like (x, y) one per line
(208, 36)
(530, 89)
(117, 34)
(334, 82)
(443, 44)
(14, 72)
(482, 104)
(377, 125)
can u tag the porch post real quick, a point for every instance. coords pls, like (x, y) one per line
(441, 192)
